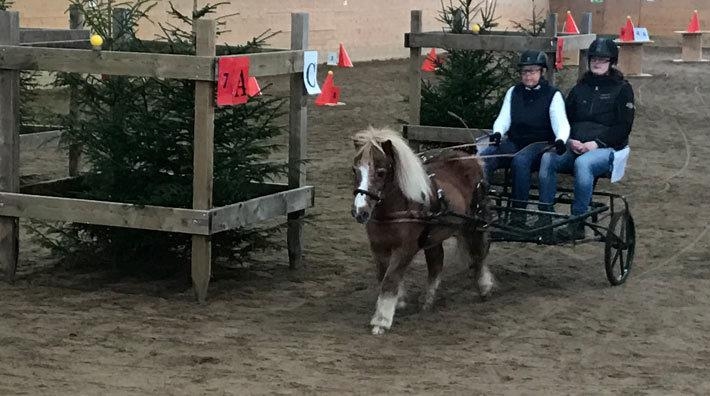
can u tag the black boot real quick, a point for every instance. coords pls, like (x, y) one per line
(574, 230)
(544, 220)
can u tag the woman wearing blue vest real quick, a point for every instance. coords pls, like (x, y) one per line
(532, 117)
(600, 109)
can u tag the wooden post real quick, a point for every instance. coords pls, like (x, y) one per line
(585, 27)
(415, 79)
(297, 138)
(203, 159)
(551, 31)
(458, 24)
(631, 58)
(76, 21)
(9, 144)
(119, 18)
(691, 47)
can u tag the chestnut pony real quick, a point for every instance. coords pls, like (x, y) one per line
(408, 206)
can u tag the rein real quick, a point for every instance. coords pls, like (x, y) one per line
(512, 155)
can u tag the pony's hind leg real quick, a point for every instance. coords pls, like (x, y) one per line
(476, 245)
(435, 264)
(401, 296)
(390, 290)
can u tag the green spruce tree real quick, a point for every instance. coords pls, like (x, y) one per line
(469, 85)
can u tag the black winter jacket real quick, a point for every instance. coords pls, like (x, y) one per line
(601, 109)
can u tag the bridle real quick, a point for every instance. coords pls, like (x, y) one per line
(376, 196)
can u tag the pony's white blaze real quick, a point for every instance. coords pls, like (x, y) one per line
(361, 199)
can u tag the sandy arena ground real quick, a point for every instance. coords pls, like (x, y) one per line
(555, 326)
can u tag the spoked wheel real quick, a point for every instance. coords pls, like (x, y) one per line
(619, 247)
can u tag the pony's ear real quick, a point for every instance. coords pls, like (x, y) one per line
(388, 149)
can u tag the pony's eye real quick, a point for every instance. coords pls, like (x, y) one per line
(381, 172)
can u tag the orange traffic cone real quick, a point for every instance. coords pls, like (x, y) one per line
(627, 32)
(430, 63)
(253, 88)
(694, 25)
(570, 26)
(329, 93)
(343, 57)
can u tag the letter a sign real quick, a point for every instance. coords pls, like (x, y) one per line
(233, 75)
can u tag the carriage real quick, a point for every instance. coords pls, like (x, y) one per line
(609, 220)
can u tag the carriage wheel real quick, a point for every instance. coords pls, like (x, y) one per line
(619, 247)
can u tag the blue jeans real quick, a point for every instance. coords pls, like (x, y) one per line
(525, 161)
(585, 167)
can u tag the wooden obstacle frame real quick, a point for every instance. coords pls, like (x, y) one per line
(415, 40)
(691, 47)
(202, 220)
(631, 57)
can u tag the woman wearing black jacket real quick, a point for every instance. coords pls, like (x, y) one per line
(600, 109)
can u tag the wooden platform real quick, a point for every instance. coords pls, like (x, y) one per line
(631, 54)
(691, 47)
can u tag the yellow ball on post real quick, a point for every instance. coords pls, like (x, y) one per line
(96, 41)
(475, 28)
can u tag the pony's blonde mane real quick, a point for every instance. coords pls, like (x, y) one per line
(411, 176)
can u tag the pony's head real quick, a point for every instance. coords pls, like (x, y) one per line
(384, 161)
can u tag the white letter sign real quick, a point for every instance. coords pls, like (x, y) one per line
(310, 72)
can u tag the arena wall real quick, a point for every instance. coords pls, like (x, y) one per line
(369, 29)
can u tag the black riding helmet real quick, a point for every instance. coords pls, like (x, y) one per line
(533, 58)
(603, 48)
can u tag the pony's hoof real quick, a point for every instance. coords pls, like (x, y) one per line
(428, 306)
(377, 330)
(486, 294)
(485, 289)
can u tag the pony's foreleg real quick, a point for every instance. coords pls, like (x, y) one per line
(381, 263)
(479, 244)
(390, 291)
(435, 263)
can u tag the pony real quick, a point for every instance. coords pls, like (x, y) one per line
(408, 205)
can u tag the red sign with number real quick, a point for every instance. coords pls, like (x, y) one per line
(232, 82)
(559, 54)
